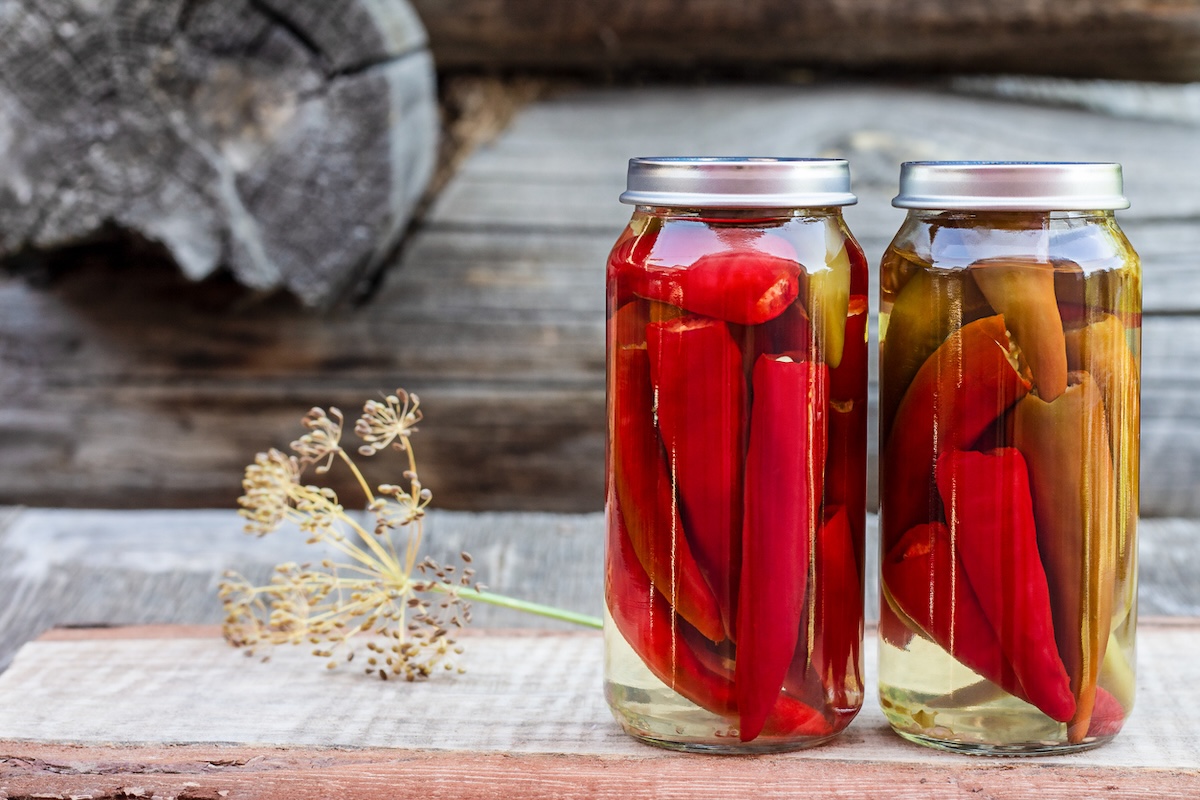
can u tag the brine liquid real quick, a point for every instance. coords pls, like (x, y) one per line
(1009, 448)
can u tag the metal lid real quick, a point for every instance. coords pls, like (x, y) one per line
(1010, 186)
(739, 182)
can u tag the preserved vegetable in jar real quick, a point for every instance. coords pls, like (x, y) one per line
(736, 455)
(1010, 335)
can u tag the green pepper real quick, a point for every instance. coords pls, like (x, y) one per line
(1023, 291)
(1102, 350)
(1065, 443)
(828, 295)
(926, 310)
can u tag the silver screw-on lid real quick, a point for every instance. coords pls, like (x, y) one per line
(1010, 186)
(739, 182)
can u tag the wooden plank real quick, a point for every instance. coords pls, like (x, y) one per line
(581, 140)
(214, 772)
(1125, 39)
(160, 394)
(63, 567)
(528, 717)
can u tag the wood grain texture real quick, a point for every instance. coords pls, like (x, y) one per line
(528, 719)
(1126, 39)
(126, 386)
(287, 142)
(210, 773)
(64, 567)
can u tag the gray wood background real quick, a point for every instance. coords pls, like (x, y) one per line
(123, 386)
(62, 567)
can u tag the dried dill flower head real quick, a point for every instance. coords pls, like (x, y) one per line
(403, 608)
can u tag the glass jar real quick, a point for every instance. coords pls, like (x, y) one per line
(1010, 336)
(736, 455)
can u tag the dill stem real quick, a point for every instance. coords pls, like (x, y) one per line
(503, 601)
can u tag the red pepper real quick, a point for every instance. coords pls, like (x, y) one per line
(793, 714)
(785, 462)
(958, 393)
(630, 252)
(696, 368)
(1107, 715)
(644, 493)
(990, 511)
(790, 332)
(846, 467)
(651, 627)
(929, 586)
(675, 652)
(740, 286)
(837, 624)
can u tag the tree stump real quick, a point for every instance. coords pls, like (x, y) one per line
(287, 140)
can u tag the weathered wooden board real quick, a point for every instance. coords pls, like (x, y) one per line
(63, 567)
(526, 719)
(124, 386)
(286, 142)
(1126, 39)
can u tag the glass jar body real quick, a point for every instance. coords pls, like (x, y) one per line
(1009, 411)
(735, 478)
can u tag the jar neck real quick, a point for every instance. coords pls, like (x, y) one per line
(1005, 219)
(738, 215)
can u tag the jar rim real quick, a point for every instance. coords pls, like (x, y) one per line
(738, 182)
(1011, 186)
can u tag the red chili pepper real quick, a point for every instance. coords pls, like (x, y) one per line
(784, 481)
(837, 625)
(966, 384)
(740, 286)
(653, 629)
(1107, 715)
(675, 652)
(929, 586)
(644, 492)
(790, 332)
(990, 511)
(696, 368)
(846, 466)
(631, 250)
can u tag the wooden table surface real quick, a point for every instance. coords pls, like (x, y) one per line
(174, 712)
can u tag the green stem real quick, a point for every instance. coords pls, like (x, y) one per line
(550, 612)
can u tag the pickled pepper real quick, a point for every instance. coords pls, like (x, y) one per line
(784, 480)
(990, 513)
(647, 503)
(836, 628)
(650, 626)
(926, 310)
(663, 643)
(1022, 290)
(828, 295)
(968, 382)
(696, 369)
(1065, 444)
(740, 286)
(929, 586)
